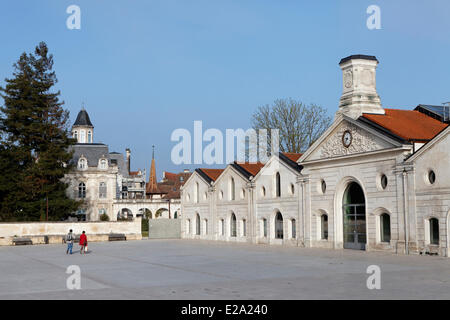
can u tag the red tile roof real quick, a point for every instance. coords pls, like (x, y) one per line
(170, 186)
(293, 156)
(251, 167)
(410, 125)
(213, 174)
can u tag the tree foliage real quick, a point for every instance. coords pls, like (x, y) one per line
(299, 125)
(34, 142)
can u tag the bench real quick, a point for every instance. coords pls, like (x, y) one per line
(117, 237)
(22, 241)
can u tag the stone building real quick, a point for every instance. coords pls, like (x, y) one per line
(377, 179)
(106, 184)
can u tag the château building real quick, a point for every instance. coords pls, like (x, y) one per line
(103, 180)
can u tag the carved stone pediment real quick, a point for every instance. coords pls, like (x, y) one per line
(362, 141)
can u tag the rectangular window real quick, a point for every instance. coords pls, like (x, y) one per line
(102, 190)
(244, 228)
(265, 227)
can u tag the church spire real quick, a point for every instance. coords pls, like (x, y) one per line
(152, 178)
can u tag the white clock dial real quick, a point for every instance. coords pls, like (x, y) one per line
(347, 138)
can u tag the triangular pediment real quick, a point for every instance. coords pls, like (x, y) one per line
(363, 139)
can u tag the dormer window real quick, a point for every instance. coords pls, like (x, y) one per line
(103, 164)
(82, 164)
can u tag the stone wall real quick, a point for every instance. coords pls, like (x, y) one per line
(53, 232)
(164, 228)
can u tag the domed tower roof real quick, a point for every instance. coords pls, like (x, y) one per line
(83, 119)
(83, 129)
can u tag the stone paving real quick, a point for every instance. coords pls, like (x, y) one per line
(190, 269)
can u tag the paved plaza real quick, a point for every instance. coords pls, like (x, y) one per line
(189, 269)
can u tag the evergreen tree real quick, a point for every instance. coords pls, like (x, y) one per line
(34, 143)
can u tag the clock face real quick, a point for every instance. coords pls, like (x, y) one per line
(347, 139)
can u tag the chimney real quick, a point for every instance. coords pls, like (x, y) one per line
(359, 93)
(128, 151)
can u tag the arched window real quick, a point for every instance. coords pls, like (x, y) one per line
(233, 225)
(197, 222)
(324, 227)
(102, 190)
(82, 190)
(89, 137)
(103, 163)
(293, 229)
(75, 135)
(222, 227)
(434, 231)
(278, 226)
(278, 185)
(196, 193)
(83, 136)
(385, 227)
(232, 189)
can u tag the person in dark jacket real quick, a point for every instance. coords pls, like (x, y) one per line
(69, 240)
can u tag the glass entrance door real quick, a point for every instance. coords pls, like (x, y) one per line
(355, 226)
(354, 218)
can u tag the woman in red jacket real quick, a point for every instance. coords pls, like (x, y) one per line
(83, 242)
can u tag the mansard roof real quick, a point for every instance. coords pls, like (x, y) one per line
(409, 125)
(91, 151)
(83, 119)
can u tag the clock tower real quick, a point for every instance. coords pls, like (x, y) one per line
(359, 94)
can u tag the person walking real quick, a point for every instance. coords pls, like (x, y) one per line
(83, 243)
(69, 240)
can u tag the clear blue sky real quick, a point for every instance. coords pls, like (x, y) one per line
(147, 67)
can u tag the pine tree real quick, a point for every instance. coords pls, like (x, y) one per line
(34, 142)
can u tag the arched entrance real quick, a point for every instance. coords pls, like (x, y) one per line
(125, 214)
(354, 217)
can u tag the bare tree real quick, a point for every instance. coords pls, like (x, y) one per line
(299, 125)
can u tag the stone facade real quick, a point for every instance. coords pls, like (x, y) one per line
(377, 179)
(104, 182)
